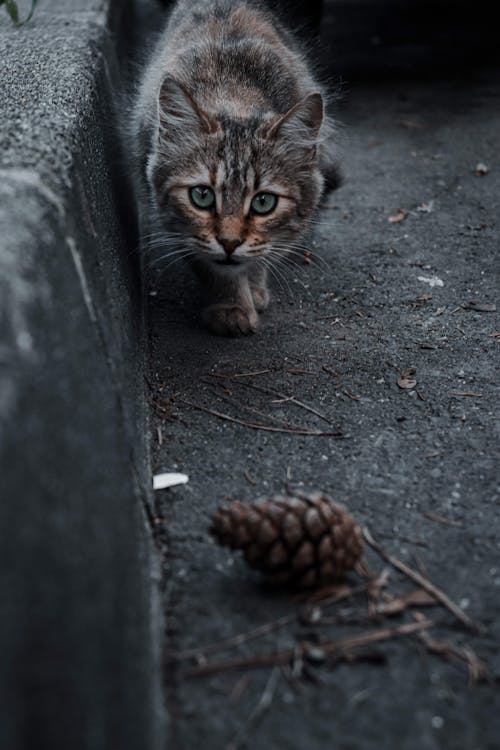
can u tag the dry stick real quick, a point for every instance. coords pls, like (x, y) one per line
(407, 539)
(325, 598)
(440, 519)
(236, 640)
(249, 478)
(262, 706)
(329, 370)
(241, 374)
(341, 647)
(344, 592)
(257, 426)
(251, 410)
(424, 582)
(465, 394)
(351, 396)
(291, 399)
(476, 668)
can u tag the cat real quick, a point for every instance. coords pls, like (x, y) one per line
(233, 151)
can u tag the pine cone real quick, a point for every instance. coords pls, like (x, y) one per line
(305, 539)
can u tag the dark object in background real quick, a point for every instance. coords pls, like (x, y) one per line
(304, 17)
(375, 39)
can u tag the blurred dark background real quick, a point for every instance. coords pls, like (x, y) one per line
(374, 39)
(366, 39)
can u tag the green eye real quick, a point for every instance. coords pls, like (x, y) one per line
(202, 197)
(264, 203)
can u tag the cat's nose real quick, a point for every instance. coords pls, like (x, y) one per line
(229, 245)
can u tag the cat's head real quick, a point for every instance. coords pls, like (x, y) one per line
(237, 188)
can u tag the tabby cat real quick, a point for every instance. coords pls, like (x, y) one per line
(233, 151)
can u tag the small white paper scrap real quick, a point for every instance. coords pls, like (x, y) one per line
(431, 280)
(169, 479)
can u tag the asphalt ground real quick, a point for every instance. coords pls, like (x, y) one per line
(404, 275)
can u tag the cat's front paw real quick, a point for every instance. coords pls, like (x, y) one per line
(260, 296)
(230, 320)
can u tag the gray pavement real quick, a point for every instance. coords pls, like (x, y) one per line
(380, 296)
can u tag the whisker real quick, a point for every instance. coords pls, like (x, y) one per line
(172, 254)
(161, 271)
(299, 252)
(280, 279)
(278, 261)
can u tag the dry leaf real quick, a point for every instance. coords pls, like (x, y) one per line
(426, 208)
(480, 306)
(406, 383)
(400, 215)
(431, 280)
(169, 479)
(482, 169)
(405, 380)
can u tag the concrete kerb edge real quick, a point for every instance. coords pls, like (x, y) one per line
(49, 192)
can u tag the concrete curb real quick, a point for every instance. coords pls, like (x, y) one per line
(79, 632)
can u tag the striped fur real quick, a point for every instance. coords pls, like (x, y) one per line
(228, 102)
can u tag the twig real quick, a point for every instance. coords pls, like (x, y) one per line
(249, 478)
(331, 372)
(327, 599)
(301, 372)
(262, 706)
(239, 688)
(466, 394)
(407, 539)
(339, 648)
(241, 374)
(257, 426)
(351, 396)
(394, 605)
(440, 519)
(235, 640)
(291, 399)
(331, 595)
(424, 582)
(252, 410)
(476, 668)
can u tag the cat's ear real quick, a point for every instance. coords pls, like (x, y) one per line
(179, 110)
(302, 123)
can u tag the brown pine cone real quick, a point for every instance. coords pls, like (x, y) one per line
(305, 539)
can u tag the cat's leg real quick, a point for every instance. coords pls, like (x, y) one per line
(231, 311)
(230, 308)
(257, 278)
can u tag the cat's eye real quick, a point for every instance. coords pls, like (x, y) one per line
(203, 197)
(264, 203)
